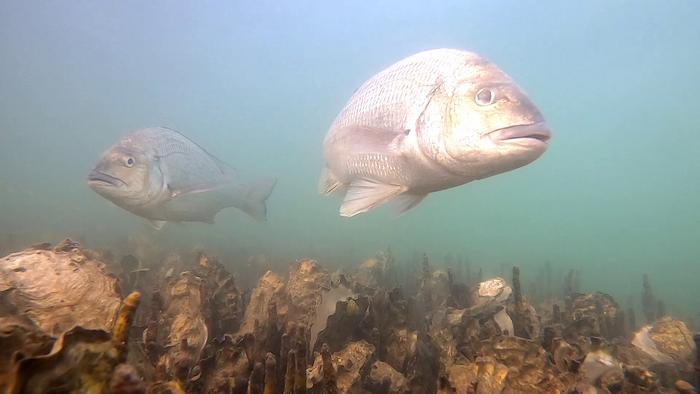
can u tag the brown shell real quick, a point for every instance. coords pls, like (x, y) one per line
(307, 280)
(19, 337)
(270, 288)
(185, 333)
(673, 338)
(59, 289)
(81, 360)
(349, 364)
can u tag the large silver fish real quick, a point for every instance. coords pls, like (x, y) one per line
(432, 121)
(161, 175)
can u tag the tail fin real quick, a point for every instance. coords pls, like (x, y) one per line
(256, 198)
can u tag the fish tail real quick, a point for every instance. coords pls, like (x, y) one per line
(255, 203)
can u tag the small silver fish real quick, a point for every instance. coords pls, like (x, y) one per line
(432, 121)
(161, 175)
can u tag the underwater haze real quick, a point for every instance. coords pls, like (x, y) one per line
(258, 84)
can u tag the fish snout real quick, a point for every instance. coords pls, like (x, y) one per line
(537, 132)
(97, 177)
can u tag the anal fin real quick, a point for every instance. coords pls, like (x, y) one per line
(157, 224)
(405, 202)
(208, 220)
(364, 194)
(328, 183)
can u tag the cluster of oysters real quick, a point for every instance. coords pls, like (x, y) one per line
(75, 321)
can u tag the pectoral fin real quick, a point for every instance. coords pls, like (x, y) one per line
(365, 194)
(157, 224)
(194, 189)
(371, 139)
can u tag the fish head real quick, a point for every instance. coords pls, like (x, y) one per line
(126, 175)
(483, 123)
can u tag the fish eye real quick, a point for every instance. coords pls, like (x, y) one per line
(129, 162)
(484, 96)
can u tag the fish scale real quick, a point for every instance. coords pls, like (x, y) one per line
(392, 99)
(432, 121)
(187, 163)
(161, 175)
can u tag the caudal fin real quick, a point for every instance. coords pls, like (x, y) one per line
(256, 198)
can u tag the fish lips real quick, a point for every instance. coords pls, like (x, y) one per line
(100, 179)
(534, 133)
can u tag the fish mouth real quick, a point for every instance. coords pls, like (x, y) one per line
(98, 178)
(533, 132)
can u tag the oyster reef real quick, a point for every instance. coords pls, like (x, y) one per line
(87, 321)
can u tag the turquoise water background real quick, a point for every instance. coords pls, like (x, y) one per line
(258, 84)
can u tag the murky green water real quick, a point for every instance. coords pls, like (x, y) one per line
(615, 196)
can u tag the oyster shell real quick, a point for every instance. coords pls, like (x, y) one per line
(351, 363)
(270, 288)
(666, 341)
(307, 282)
(59, 289)
(185, 332)
(382, 378)
(81, 359)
